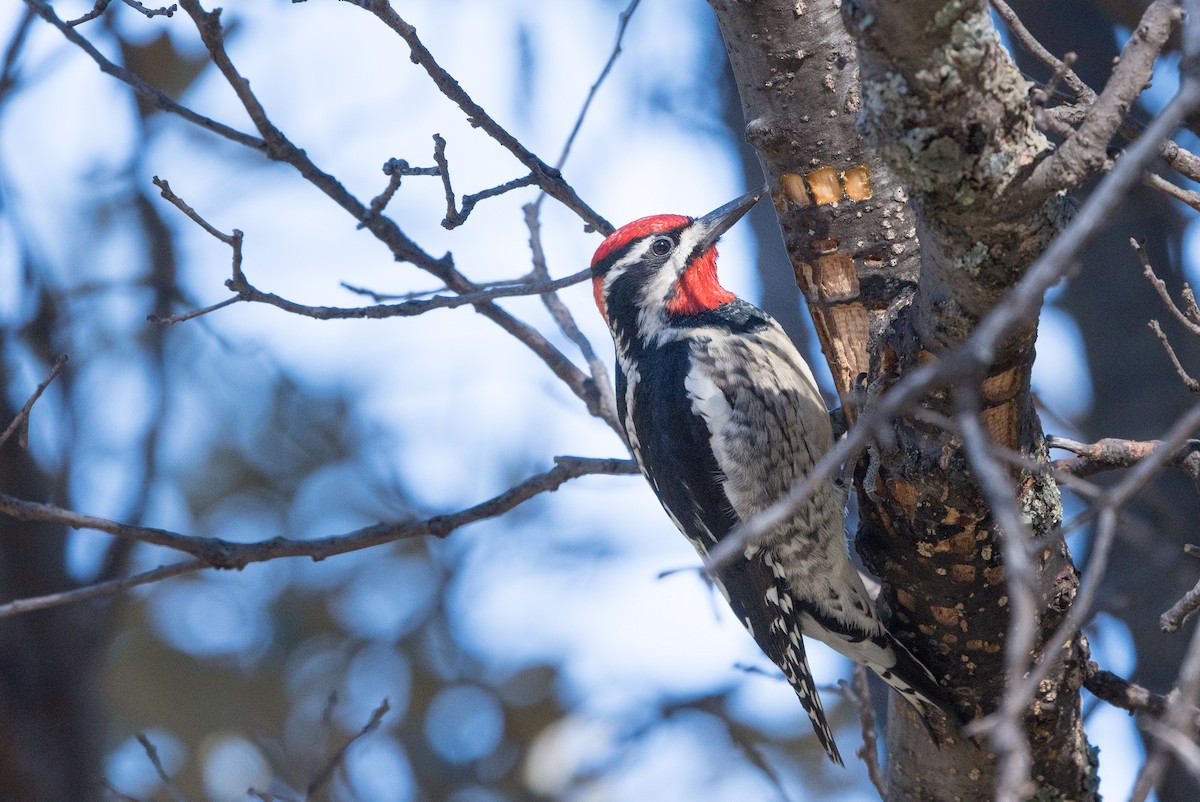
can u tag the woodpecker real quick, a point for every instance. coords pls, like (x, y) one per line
(723, 416)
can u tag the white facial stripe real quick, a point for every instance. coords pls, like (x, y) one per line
(688, 240)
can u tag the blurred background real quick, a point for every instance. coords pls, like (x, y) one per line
(553, 653)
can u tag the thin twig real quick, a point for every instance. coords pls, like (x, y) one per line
(1179, 713)
(1039, 51)
(395, 170)
(102, 5)
(1161, 288)
(605, 399)
(171, 320)
(98, 590)
(21, 421)
(1185, 196)
(249, 293)
(1181, 160)
(1191, 384)
(1106, 509)
(510, 283)
(622, 25)
(859, 692)
(455, 217)
(1181, 611)
(276, 146)
(1016, 459)
(1183, 746)
(232, 240)
(168, 783)
(120, 796)
(152, 96)
(8, 76)
(326, 771)
(164, 11)
(545, 176)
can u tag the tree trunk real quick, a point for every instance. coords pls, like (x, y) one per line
(50, 724)
(901, 241)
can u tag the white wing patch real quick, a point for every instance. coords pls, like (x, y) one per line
(708, 401)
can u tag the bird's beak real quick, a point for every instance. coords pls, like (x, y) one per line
(718, 221)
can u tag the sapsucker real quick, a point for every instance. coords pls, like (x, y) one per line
(723, 417)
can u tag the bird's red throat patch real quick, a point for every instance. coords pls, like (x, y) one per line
(698, 289)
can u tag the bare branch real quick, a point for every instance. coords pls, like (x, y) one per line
(326, 771)
(546, 177)
(1191, 384)
(1173, 619)
(1021, 303)
(455, 217)
(1122, 693)
(1161, 288)
(558, 363)
(469, 201)
(279, 148)
(168, 783)
(1093, 573)
(99, 590)
(1185, 196)
(1181, 160)
(195, 313)
(395, 170)
(118, 795)
(21, 421)
(1111, 452)
(859, 692)
(154, 97)
(606, 400)
(1086, 151)
(233, 240)
(248, 292)
(1181, 611)
(1180, 714)
(622, 24)
(1018, 460)
(102, 5)
(1039, 51)
(1183, 746)
(220, 553)
(8, 77)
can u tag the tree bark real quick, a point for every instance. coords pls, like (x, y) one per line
(894, 276)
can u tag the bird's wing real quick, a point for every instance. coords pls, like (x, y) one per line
(673, 445)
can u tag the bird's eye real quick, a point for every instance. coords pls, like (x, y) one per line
(662, 246)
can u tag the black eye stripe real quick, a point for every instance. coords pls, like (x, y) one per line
(604, 265)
